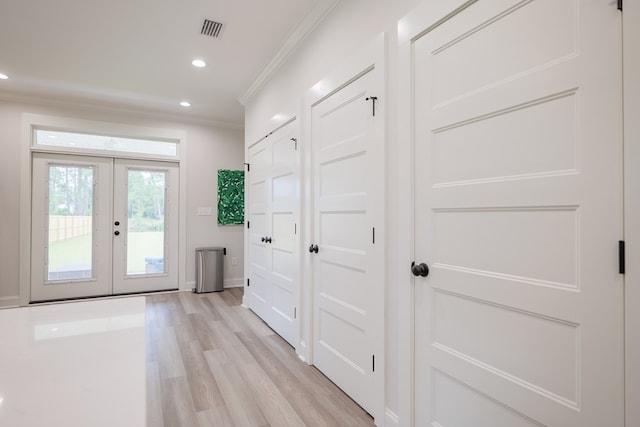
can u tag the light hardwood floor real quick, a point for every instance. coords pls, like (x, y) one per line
(211, 362)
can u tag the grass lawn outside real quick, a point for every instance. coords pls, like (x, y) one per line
(77, 251)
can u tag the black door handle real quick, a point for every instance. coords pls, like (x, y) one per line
(313, 248)
(263, 239)
(117, 233)
(267, 239)
(421, 269)
(116, 223)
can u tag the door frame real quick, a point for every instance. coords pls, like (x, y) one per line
(31, 122)
(631, 138)
(411, 27)
(371, 55)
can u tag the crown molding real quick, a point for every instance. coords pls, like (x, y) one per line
(306, 27)
(112, 107)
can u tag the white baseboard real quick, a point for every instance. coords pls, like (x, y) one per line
(391, 418)
(6, 302)
(228, 283)
(233, 283)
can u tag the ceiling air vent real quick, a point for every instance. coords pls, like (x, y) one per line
(211, 28)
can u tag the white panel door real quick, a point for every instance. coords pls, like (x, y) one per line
(259, 228)
(348, 282)
(145, 226)
(518, 213)
(273, 234)
(284, 243)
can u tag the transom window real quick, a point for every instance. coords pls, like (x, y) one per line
(105, 143)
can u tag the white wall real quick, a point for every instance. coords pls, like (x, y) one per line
(209, 148)
(351, 25)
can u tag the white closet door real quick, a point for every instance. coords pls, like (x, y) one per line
(518, 213)
(348, 283)
(274, 244)
(284, 243)
(259, 229)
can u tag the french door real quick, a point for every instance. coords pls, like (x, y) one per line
(102, 226)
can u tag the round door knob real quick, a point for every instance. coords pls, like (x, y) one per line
(421, 269)
(313, 249)
(117, 233)
(116, 223)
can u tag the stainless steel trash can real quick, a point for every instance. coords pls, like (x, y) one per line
(209, 269)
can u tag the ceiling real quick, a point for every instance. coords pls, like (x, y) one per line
(137, 54)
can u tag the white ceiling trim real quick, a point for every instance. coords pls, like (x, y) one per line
(306, 27)
(116, 108)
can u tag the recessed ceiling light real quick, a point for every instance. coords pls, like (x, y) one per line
(198, 63)
(185, 104)
(3, 76)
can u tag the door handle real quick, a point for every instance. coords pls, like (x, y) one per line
(421, 269)
(263, 239)
(267, 239)
(117, 233)
(313, 248)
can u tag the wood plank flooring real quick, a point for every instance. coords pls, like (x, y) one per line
(211, 362)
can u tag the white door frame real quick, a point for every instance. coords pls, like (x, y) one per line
(408, 30)
(372, 55)
(30, 122)
(631, 94)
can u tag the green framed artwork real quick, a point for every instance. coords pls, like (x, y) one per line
(230, 197)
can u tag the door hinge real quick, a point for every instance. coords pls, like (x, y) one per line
(373, 362)
(620, 5)
(295, 313)
(248, 167)
(248, 224)
(374, 235)
(621, 257)
(295, 228)
(373, 100)
(248, 282)
(295, 140)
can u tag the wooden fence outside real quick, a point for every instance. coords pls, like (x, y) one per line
(67, 227)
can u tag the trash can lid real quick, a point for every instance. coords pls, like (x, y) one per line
(212, 248)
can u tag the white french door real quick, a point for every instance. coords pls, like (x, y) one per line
(518, 214)
(102, 226)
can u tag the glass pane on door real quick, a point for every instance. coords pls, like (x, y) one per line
(70, 222)
(146, 222)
